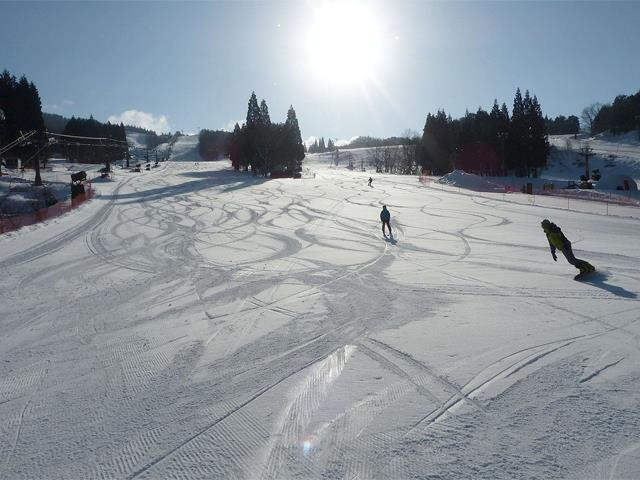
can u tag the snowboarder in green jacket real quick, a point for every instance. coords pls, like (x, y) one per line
(557, 240)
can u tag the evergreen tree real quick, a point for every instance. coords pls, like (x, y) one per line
(264, 114)
(265, 141)
(253, 132)
(35, 109)
(539, 146)
(253, 112)
(295, 147)
(620, 117)
(517, 136)
(437, 142)
(235, 149)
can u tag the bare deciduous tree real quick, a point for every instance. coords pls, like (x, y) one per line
(376, 158)
(589, 115)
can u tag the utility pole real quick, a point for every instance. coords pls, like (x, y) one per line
(2, 132)
(38, 180)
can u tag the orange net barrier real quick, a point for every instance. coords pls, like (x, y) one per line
(9, 224)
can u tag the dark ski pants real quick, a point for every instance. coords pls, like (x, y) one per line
(386, 222)
(567, 251)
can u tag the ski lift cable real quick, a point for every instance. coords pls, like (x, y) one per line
(66, 142)
(17, 141)
(85, 138)
(34, 155)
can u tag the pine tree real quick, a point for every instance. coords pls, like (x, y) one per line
(253, 132)
(437, 144)
(295, 147)
(253, 111)
(35, 109)
(264, 113)
(539, 145)
(235, 149)
(265, 141)
(518, 136)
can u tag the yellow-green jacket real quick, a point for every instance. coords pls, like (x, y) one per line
(556, 238)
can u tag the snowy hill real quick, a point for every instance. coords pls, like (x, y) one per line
(136, 139)
(614, 155)
(186, 149)
(196, 322)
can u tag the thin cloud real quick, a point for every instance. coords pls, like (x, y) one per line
(51, 107)
(137, 118)
(58, 107)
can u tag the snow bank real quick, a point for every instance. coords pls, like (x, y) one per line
(19, 196)
(459, 178)
(617, 182)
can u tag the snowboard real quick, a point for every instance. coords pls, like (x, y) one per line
(584, 275)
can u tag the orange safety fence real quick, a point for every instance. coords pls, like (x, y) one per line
(9, 224)
(583, 195)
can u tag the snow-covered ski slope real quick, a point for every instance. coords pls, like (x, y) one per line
(194, 322)
(613, 154)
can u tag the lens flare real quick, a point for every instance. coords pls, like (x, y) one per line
(307, 446)
(344, 43)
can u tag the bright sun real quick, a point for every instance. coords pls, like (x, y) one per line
(344, 43)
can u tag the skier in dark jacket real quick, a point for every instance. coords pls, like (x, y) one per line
(370, 180)
(385, 216)
(557, 240)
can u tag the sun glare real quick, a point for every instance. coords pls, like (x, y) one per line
(344, 43)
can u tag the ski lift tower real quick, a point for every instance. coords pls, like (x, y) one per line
(586, 152)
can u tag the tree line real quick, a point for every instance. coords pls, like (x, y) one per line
(318, 146)
(372, 142)
(622, 116)
(487, 143)
(21, 107)
(267, 148)
(87, 148)
(214, 144)
(562, 125)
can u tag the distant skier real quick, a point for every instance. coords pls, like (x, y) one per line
(370, 180)
(385, 216)
(557, 240)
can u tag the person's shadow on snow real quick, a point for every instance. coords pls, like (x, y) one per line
(390, 240)
(597, 279)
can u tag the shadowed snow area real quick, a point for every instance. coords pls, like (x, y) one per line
(195, 322)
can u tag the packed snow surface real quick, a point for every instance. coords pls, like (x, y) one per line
(195, 322)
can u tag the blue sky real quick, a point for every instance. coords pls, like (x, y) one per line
(192, 65)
